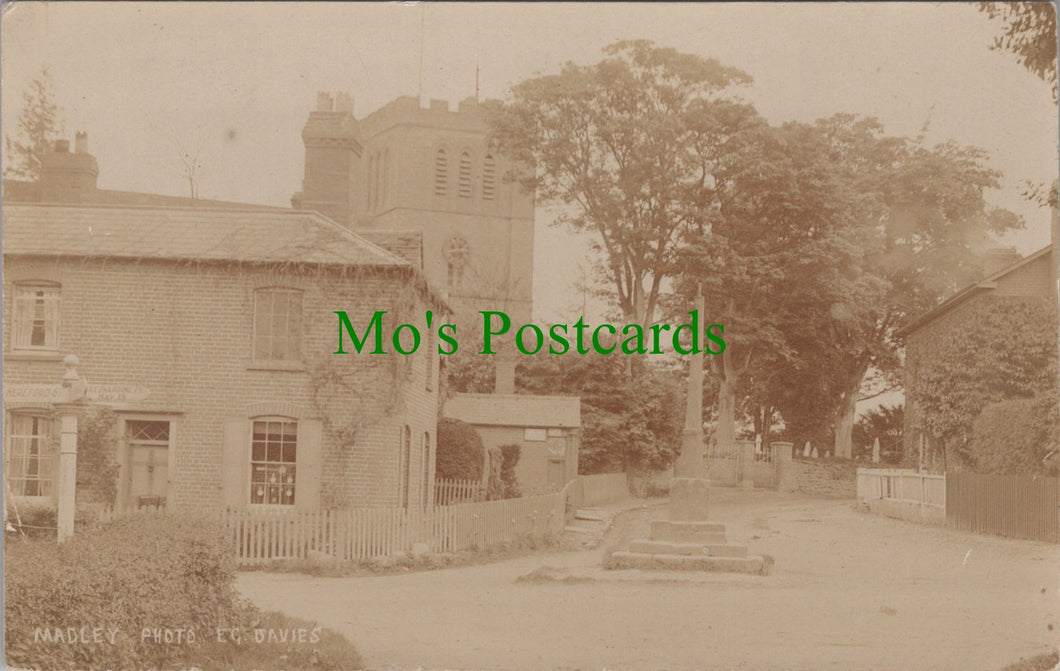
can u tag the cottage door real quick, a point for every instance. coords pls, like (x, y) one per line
(148, 461)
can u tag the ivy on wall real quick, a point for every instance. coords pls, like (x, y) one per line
(97, 449)
(994, 349)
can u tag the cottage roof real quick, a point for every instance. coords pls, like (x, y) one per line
(515, 410)
(192, 234)
(988, 283)
(408, 244)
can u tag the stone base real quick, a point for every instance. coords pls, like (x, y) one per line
(689, 499)
(705, 549)
(673, 562)
(687, 532)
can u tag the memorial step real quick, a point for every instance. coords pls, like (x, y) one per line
(646, 546)
(590, 514)
(669, 562)
(687, 532)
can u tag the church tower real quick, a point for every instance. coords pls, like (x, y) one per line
(431, 170)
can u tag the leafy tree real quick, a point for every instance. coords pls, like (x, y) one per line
(885, 423)
(461, 454)
(38, 126)
(615, 145)
(626, 424)
(1028, 31)
(777, 260)
(920, 220)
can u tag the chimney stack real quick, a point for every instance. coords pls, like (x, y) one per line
(69, 177)
(333, 147)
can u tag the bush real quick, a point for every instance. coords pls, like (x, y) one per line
(1017, 436)
(97, 465)
(461, 454)
(509, 458)
(141, 572)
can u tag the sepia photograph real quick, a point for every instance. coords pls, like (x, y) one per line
(413, 336)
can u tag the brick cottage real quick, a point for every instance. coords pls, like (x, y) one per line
(221, 319)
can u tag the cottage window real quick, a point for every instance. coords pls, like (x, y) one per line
(30, 463)
(35, 323)
(273, 455)
(277, 324)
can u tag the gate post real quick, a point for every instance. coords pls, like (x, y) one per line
(68, 412)
(746, 455)
(785, 469)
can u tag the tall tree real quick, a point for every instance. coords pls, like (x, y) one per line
(923, 221)
(775, 256)
(624, 146)
(1028, 31)
(38, 125)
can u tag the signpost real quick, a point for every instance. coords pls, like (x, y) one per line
(68, 411)
(69, 400)
(102, 394)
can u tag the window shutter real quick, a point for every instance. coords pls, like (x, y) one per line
(307, 488)
(235, 466)
(22, 319)
(51, 319)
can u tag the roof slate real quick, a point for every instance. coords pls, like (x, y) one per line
(197, 234)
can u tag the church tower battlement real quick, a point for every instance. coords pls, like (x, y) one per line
(406, 167)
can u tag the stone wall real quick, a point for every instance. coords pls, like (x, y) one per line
(832, 478)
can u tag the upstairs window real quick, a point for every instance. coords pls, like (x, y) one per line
(277, 324)
(273, 454)
(29, 467)
(35, 321)
(489, 178)
(465, 175)
(441, 173)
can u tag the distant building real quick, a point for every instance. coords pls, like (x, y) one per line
(546, 428)
(1012, 278)
(214, 331)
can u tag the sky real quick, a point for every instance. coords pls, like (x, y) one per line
(237, 80)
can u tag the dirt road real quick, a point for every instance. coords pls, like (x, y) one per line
(849, 591)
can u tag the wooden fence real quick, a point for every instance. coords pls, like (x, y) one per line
(448, 492)
(905, 494)
(261, 535)
(1017, 506)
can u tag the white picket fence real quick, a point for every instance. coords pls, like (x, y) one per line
(448, 492)
(905, 494)
(263, 535)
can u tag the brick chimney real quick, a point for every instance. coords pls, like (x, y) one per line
(69, 177)
(333, 146)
